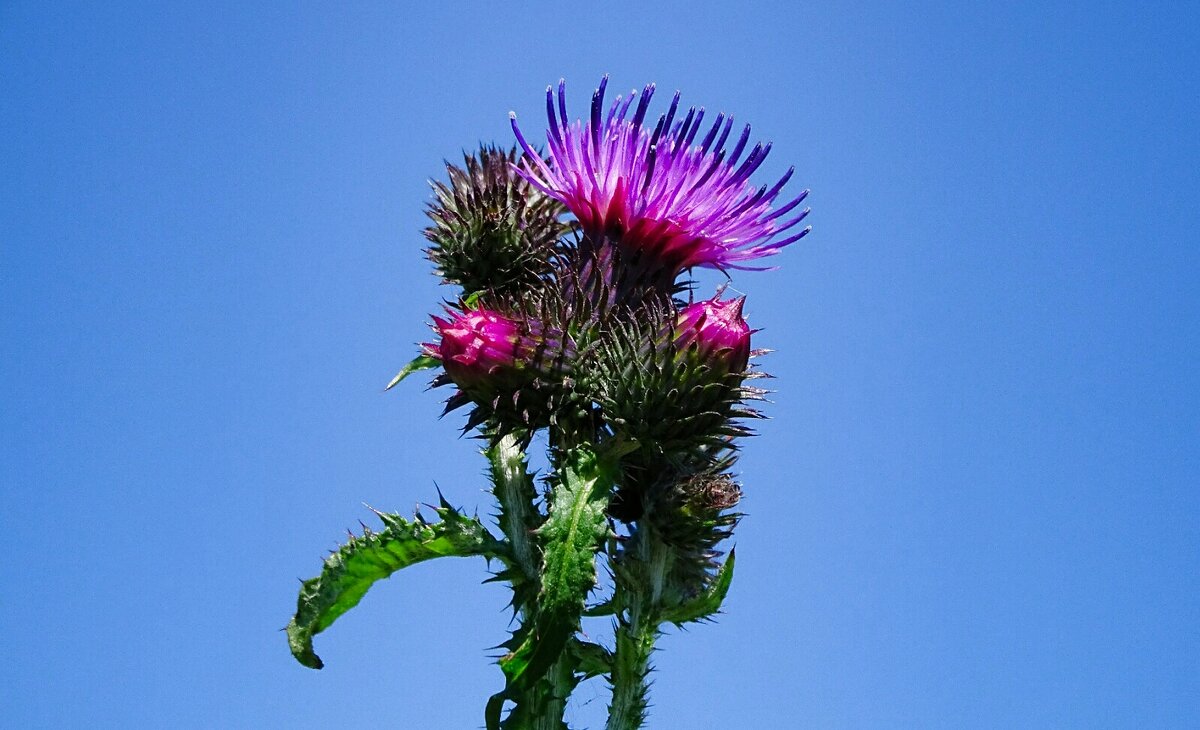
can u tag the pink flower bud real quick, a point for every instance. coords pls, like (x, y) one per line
(478, 347)
(716, 332)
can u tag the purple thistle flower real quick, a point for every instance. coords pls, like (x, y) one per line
(717, 333)
(479, 348)
(684, 202)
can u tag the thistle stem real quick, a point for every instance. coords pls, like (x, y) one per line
(542, 707)
(514, 490)
(641, 575)
(635, 643)
(541, 671)
(561, 678)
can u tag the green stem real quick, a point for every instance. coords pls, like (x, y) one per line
(561, 680)
(541, 671)
(635, 643)
(515, 493)
(540, 707)
(640, 579)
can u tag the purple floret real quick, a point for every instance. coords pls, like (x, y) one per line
(660, 192)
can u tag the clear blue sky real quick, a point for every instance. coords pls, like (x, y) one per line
(977, 502)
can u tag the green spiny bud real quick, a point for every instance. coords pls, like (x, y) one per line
(652, 392)
(492, 230)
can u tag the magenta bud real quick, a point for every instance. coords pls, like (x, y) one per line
(478, 347)
(717, 333)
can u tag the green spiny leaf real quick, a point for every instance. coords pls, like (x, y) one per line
(352, 569)
(420, 362)
(592, 659)
(574, 531)
(707, 603)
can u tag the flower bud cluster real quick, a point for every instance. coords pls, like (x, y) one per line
(576, 320)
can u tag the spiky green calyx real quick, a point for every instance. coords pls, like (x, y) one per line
(671, 404)
(492, 230)
(691, 515)
(510, 367)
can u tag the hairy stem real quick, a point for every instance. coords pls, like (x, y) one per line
(541, 670)
(641, 575)
(514, 490)
(541, 706)
(631, 665)
(561, 680)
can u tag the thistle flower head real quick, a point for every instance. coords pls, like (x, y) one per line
(716, 332)
(479, 348)
(492, 230)
(511, 368)
(672, 402)
(666, 192)
(692, 512)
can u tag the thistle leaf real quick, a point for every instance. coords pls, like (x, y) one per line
(592, 659)
(420, 362)
(707, 603)
(575, 530)
(351, 570)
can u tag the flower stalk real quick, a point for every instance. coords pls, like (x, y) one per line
(641, 578)
(514, 490)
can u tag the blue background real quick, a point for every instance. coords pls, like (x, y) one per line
(976, 504)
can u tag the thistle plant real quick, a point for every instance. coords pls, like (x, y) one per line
(574, 317)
